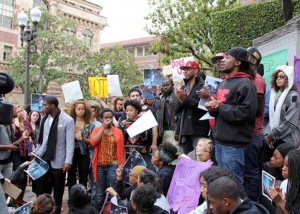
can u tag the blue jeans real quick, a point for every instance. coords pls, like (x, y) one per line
(231, 158)
(106, 178)
(252, 172)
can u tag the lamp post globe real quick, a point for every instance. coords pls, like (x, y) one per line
(106, 69)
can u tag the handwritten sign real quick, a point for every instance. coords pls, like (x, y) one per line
(98, 86)
(271, 61)
(175, 66)
(114, 88)
(72, 91)
(184, 192)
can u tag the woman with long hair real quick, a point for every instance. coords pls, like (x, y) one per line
(118, 109)
(284, 112)
(80, 112)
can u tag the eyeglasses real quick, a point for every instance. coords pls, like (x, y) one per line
(282, 76)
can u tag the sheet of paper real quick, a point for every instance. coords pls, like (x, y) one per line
(114, 88)
(145, 122)
(72, 91)
(206, 117)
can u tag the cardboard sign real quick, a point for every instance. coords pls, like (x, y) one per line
(98, 86)
(11, 189)
(114, 88)
(177, 73)
(72, 91)
(184, 192)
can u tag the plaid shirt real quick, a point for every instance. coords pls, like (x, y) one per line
(23, 148)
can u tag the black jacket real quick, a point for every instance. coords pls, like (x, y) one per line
(235, 118)
(188, 114)
(249, 207)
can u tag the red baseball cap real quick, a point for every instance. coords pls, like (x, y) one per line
(190, 64)
(218, 56)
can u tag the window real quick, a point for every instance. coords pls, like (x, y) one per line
(40, 3)
(130, 51)
(146, 51)
(7, 53)
(87, 37)
(139, 51)
(70, 31)
(6, 13)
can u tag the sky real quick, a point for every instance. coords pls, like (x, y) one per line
(125, 19)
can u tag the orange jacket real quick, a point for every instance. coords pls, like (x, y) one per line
(119, 138)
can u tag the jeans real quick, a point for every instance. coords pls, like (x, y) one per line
(6, 169)
(252, 172)
(82, 164)
(231, 158)
(106, 178)
(3, 205)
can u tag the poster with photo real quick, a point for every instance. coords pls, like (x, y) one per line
(25, 209)
(268, 181)
(116, 208)
(153, 77)
(37, 168)
(37, 102)
(134, 159)
(212, 83)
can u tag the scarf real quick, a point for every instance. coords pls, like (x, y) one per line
(274, 111)
(52, 138)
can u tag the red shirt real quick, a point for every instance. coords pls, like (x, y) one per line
(260, 89)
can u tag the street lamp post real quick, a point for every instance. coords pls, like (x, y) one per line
(28, 35)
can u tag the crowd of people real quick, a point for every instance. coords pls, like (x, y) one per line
(86, 144)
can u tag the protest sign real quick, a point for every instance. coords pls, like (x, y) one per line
(37, 102)
(175, 66)
(117, 209)
(24, 209)
(114, 88)
(153, 77)
(134, 159)
(268, 181)
(145, 122)
(72, 91)
(297, 73)
(184, 192)
(271, 61)
(37, 168)
(98, 86)
(11, 190)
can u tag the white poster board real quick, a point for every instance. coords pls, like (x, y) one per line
(114, 88)
(72, 91)
(175, 66)
(145, 122)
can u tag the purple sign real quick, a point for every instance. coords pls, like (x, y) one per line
(184, 191)
(297, 73)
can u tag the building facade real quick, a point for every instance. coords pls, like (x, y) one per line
(139, 48)
(86, 15)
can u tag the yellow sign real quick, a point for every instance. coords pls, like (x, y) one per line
(98, 86)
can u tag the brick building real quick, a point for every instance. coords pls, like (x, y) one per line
(139, 48)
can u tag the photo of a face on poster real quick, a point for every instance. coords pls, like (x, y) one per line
(37, 102)
(268, 181)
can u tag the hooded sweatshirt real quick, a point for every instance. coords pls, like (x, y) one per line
(235, 119)
(249, 207)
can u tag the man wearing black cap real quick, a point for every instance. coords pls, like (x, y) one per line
(189, 127)
(252, 171)
(234, 110)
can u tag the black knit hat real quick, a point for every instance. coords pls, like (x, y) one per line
(285, 148)
(239, 53)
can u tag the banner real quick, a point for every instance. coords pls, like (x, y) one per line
(271, 61)
(153, 77)
(175, 66)
(114, 88)
(98, 86)
(184, 192)
(297, 73)
(72, 91)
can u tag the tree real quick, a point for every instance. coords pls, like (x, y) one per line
(121, 62)
(57, 49)
(184, 27)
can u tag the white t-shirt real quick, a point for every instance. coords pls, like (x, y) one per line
(283, 187)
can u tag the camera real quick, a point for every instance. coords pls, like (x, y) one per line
(6, 110)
